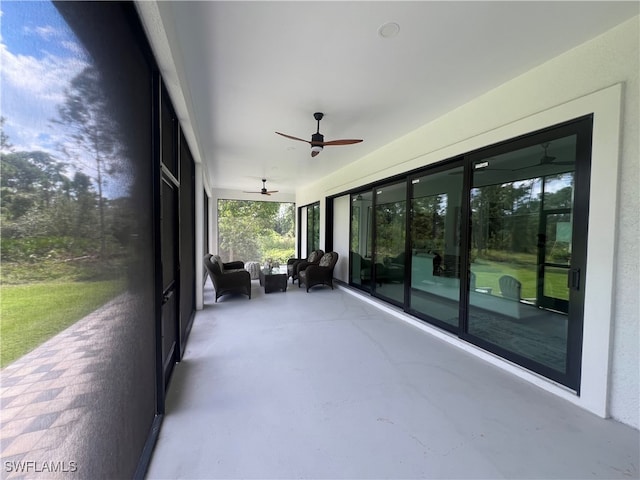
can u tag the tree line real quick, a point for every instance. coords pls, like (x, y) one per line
(256, 231)
(506, 219)
(53, 200)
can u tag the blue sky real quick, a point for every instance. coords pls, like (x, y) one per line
(32, 28)
(38, 56)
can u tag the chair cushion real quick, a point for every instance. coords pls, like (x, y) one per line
(253, 268)
(218, 260)
(327, 259)
(313, 257)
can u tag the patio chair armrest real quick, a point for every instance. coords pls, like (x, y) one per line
(234, 265)
(316, 272)
(237, 277)
(301, 265)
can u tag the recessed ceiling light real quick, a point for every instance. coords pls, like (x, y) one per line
(388, 30)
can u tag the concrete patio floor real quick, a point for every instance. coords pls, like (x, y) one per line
(326, 385)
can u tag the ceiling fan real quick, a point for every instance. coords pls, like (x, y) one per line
(264, 190)
(317, 139)
(546, 159)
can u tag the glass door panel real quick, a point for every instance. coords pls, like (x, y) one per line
(389, 241)
(361, 239)
(556, 241)
(521, 204)
(436, 201)
(555, 283)
(313, 227)
(553, 289)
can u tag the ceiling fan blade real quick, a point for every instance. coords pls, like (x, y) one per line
(293, 138)
(481, 170)
(523, 168)
(342, 142)
(543, 164)
(264, 190)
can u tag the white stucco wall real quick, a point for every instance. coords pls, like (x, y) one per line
(341, 216)
(600, 77)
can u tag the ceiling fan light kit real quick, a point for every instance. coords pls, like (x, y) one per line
(317, 139)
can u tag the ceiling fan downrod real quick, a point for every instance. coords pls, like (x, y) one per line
(318, 116)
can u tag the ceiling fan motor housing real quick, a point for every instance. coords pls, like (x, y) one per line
(317, 139)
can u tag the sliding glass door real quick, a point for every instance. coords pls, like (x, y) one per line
(308, 229)
(313, 227)
(492, 246)
(361, 248)
(521, 251)
(436, 205)
(389, 241)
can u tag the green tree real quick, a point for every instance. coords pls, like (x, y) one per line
(29, 179)
(81, 189)
(428, 222)
(390, 229)
(252, 231)
(285, 220)
(92, 134)
(5, 145)
(43, 211)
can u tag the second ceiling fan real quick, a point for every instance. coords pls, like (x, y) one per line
(264, 190)
(546, 159)
(317, 139)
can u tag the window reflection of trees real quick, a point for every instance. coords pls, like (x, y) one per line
(428, 223)
(62, 198)
(313, 227)
(91, 137)
(66, 210)
(390, 229)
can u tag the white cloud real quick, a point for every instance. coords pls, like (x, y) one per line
(73, 48)
(32, 88)
(46, 32)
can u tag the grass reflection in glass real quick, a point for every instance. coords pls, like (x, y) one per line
(522, 267)
(33, 313)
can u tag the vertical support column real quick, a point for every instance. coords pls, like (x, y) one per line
(199, 233)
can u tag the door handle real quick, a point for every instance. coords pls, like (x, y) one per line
(167, 295)
(573, 280)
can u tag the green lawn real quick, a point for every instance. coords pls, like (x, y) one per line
(30, 314)
(488, 273)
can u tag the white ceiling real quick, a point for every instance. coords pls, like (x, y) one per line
(238, 71)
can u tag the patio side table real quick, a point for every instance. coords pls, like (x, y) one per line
(273, 279)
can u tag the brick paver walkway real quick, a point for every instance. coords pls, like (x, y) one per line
(47, 398)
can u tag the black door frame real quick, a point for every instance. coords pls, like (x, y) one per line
(582, 127)
(169, 176)
(299, 239)
(374, 264)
